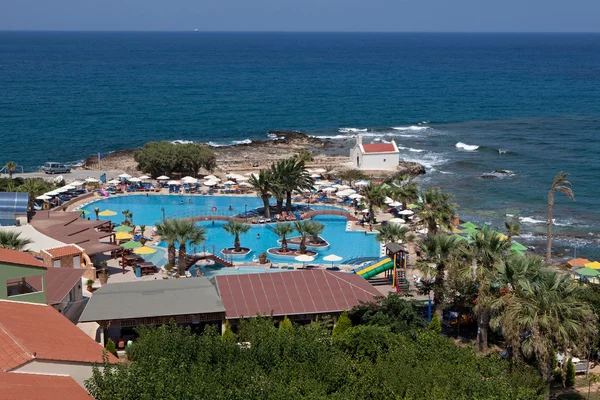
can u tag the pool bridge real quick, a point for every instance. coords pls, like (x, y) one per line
(220, 217)
(192, 259)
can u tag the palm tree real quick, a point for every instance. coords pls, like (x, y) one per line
(394, 233)
(436, 209)
(10, 168)
(34, 187)
(187, 232)
(290, 175)
(97, 211)
(512, 229)
(167, 230)
(315, 228)
(544, 315)
(405, 190)
(374, 195)
(303, 228)
(279, 194)
(262, 184)
(13, 241)
(438, 250)
(560, 184)
(282, 230)
(125, 215)
(304, 156)
(485, 253)
(236, 229)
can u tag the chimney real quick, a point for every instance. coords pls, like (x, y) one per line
(359, 139)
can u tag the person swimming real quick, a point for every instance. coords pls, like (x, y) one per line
(230, 208)
(189, 200)
(258, 235)
(181, 202)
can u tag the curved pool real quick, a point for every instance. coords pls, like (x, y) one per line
(149, 209)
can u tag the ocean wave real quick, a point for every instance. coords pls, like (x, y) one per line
(215, 144)
(245, 141)
(411, 149)
(351, 130)
(410, 128)
(331, 136)
(446, 172)
(531, 220)
(429, 160)
(464, 146)
(181, 141)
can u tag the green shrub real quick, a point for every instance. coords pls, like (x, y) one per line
(570, 374)
(286, 325)
(342, 325)
(435, 324)
(228, 335)
(111, 347)
(166, 158)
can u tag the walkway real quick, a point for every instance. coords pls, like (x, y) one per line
(342, 213)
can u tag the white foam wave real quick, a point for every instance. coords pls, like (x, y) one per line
(410, 128)
(500, 151)
(351, 130)
(331, 136)
(446, 172)
(411, 149)
(468, 147)
(531, 220)
(429, 160)
(245, 141)
(214, 144)
(181, 141)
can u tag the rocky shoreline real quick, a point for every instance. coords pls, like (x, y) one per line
(261, 153)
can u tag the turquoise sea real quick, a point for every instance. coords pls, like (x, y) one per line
(530, 102)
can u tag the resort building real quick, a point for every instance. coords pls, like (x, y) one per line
(302, 296)
(36, 386)
(13, 208)
(18, 273)
(63, 291)
(69, 256)
(37, 339)
(121, 307)
(376, 156)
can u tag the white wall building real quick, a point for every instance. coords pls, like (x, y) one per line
(375, 156)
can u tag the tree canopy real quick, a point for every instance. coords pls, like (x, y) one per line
(166, 158)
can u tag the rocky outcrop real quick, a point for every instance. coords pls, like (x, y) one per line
(410, 168)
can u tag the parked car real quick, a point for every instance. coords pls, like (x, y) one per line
(55, 168)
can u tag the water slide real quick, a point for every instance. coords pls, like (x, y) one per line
(371, 270)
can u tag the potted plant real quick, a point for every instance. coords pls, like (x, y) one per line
(103, 277)
(262, 257)
(142, 230)
(90, 282)
(167, 269)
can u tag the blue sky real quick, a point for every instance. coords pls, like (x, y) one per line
(303, 15)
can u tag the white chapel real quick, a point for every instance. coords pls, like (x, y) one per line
(375, 156)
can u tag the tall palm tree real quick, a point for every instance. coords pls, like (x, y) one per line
(97, 211)
(125, 216)
(512, 229)
(290, 175)
(279, 193)
(483, 255)
(13, 241)
(10, 168)
(438, 250)
(187, 232)
(559, 184)
(405, 190)
(34, 187)
(544, 315)
(236, 229)
(394, 233)
(436, 209)
(374, 195)
(167, 230)
(303, 228)
(315, 228)
(282, 230)
(262, 184)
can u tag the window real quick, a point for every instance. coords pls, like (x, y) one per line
(384, 160)
(56, 263)
(76, 262)
(19, 286)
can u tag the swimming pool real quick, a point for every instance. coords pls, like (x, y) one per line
(148, 209)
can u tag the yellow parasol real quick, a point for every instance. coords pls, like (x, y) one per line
(594, 265)
(107, 213)
(144, 250)
(122, 236)
(502, 236)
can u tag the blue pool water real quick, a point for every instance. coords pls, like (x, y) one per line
(148, 209)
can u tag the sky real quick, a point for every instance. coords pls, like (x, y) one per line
(303, 15)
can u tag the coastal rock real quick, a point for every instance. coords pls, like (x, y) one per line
(410, 168)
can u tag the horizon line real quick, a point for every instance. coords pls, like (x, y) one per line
(287, 31)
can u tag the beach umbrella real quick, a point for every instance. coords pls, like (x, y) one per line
(388, 200)
(516, 246)
(406, 212)
(52, 193)
(395, 204)
(123, 228)
(77, 183)
(519, 253)
(125, 176)
(242, 178)
(144, 177)
(107, 213)
(355, 196)
(304, 258)
(144, 250)
(398, 221)
(593, 265)
(361, 183)
(322, 183)
(329, 189)
(587, 272)
(189, 179)
(365, 211)
(469, 225)
(210, 183)
(43, 197)
(163, 178)
(319, 170)
(333, 258)
(315, 175)
(578, 262)
(229, 183)
(131, 245)
(170, 183)
(91, 180)
(135, 180)
(123, 236)
(114, 182)
(245, 184)
(69, 187)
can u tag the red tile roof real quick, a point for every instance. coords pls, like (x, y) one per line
(292, 293)
(20, 258)
(379, 148)
(17, 386)
(59, 282)
(63, 251)
(29, 331)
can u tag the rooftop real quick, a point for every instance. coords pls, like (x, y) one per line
(158, 298)
(292, 293)
(20, 258)
(379, 148)
(14, 202)
(63, 251)
(17, 386)
(34, 331)
(59, 282)
(39, 240)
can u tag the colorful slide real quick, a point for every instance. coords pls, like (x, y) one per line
(379, 266)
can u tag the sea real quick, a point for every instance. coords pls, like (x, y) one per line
(465, 105)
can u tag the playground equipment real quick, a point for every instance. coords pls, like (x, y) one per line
(393, 265)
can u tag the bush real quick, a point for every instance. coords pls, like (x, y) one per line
(342, 325)
(165, 158)
(111, 347)
(228, 335)
(286, 325)
(435, 324)
(570, 374)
